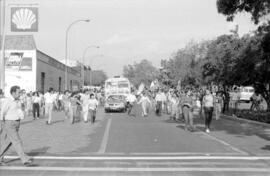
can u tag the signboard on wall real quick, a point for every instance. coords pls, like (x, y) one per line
(16, 61)
(24, 19)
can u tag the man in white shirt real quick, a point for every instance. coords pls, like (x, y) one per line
(92, 105)
(85, 99)
(49, 101)
(159, 98)
(131, 99)
(10, 116)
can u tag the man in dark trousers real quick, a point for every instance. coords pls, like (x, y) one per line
(10, 116)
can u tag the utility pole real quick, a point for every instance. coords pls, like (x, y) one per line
(3, 37)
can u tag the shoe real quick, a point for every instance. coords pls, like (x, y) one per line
(28, 163)
(47, 123)
(207, 130)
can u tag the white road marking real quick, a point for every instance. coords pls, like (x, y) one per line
(118, 169)
(185, 153)
(226, 144)
(147, 157)
(105, 138)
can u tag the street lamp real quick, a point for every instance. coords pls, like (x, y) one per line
(83, 59)
(66, 50)
(2, 57)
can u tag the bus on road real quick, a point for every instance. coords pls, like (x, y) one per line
(117, 86)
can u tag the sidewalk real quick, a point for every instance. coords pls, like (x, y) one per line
(244, 135)
(60, 137)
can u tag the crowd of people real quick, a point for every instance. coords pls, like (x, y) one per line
(75, 105)
(14, 108)
(186, 103)
(180, 104)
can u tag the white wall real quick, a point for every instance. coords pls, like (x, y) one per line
(18, 74)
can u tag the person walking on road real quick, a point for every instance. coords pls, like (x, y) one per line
(93, 104)
(49, 102)
(66, 103)
(218, 105)
(159, 100)
(187, 108)
(85, 99)
(208, 107)
(10, 116)
(131, 99)
(145, 103)
(174, 102)
(36, 105)
(73, 107)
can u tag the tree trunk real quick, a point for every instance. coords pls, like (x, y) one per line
(268, 104)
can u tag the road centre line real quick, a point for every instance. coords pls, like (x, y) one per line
(105, 138)
(147, 157)
(122, 169)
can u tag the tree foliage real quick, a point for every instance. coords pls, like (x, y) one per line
(253, 64)
(185, 64)
(140, 72)
(257, 8)
(98, 77)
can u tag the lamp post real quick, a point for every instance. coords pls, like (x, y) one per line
(66, 50)
(83, 59)
(2, 58)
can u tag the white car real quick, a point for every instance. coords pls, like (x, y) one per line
(246, 93)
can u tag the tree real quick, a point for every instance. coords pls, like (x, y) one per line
(253, 64)
(185, 64)
(257, 8)
(140, 72)
(98, 77)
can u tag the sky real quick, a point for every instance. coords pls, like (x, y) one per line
(127, 31)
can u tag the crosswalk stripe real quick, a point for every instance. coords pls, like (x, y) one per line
(118, 169)
(148, 157)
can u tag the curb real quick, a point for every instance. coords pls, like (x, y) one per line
(245, 120)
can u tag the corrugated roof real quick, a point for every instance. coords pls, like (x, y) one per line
(19, 42)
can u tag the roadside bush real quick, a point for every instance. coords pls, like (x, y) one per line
(260, 116)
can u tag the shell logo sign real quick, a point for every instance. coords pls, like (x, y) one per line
(24, 19)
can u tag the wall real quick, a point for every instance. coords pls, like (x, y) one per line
(54, 69)
(20, 67)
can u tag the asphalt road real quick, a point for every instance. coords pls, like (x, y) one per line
(118, 144)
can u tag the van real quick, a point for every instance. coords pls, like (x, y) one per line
(246, 93)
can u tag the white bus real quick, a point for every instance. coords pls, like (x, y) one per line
(117, 86)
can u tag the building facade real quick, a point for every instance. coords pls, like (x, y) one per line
(34, 70)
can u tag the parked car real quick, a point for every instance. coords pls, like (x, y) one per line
(246, 93)
(115, 103)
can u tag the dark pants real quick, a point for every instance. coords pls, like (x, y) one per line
(208, 111)
(129, 107)
(159, 108)
(225, 106)
(92, 115)
(10, 137)
(35, 109)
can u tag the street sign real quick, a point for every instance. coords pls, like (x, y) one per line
(24, 19)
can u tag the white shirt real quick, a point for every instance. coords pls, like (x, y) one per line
(92, 104)
(131, 98)
(11, 109)
(36, 99)
(49, 98)
(85, 98)
(159, 97)
(208, 100)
